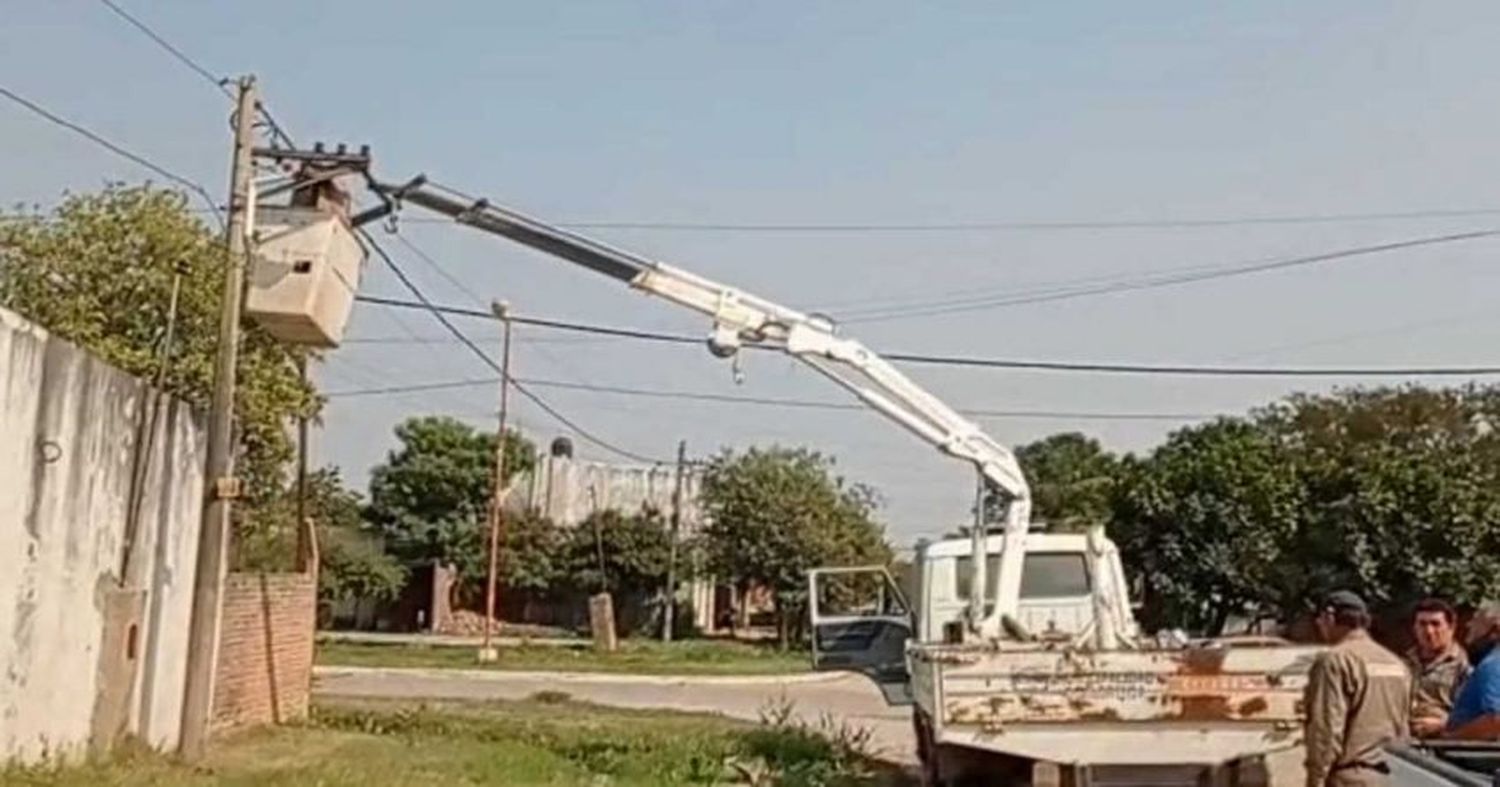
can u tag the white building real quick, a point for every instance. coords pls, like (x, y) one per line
(568, 490)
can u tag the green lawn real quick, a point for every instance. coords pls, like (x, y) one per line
(378, 744)
(643, 657)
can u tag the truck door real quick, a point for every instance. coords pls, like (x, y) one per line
(860, 623)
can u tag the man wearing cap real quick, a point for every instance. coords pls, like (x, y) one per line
(1476, 709)
(1358, 699)
(1438, 665)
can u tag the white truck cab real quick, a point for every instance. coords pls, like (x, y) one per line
(863, 619)
(1058, 579)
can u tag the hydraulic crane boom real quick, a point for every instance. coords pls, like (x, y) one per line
(741, 319)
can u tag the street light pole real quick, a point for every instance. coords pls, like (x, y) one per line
(487, 651)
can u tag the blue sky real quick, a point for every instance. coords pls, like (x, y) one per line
(843, 112)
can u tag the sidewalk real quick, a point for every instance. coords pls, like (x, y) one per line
(325, 672)
(443, 640)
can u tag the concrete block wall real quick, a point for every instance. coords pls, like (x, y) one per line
(93, 617)
(264, 671)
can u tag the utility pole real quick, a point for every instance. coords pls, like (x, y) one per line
(487, 652)
(669, 614)
(208, 582)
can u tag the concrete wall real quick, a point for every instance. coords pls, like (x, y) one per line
(266, 649)
(89, 647)
(568, 490)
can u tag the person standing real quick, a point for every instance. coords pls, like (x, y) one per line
(1358, 699)
(1476, 709)
(1438, 666)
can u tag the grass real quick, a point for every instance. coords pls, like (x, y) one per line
(642, 657)
(536, 742)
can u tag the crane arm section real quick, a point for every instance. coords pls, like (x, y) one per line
(740, 319)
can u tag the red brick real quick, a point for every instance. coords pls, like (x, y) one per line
(265, 649)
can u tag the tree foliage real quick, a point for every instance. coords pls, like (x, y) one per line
(532, 556)
(353, 563)
(98, 272)
(1393, 492)
(775, 513)
(1206, 523)
(1071, 476)
(623, 554)
(430, 498)
(356, 566)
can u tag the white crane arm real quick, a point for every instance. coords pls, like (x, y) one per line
(741, 319)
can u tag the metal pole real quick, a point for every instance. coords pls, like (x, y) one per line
(208, 582)
(303, 544)
(146, 433)
(669, 614)
(979, 549)
(487, 652)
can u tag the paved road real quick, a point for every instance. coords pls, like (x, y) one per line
(846, 698)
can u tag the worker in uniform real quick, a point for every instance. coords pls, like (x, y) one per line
(1358, 699)
(1438, 666)
(1476, 709)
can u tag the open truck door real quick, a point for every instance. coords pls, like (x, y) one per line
(860, 623)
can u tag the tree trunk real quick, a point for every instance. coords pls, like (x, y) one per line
(742, 615)
(1220, 619)
(782, 634)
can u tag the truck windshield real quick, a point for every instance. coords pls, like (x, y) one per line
(1044, 575)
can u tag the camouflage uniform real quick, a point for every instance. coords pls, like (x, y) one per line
(1434, 683)
(1358, 697)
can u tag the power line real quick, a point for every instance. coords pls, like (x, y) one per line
(998, 363)
(450, 340)
(1002, 226)
(1008, 297)
(810, 404)
(99, 140)
(433, 264)
(1196, 370)
(438, 313)
(561, 325)
(993, 300)
(219, 83)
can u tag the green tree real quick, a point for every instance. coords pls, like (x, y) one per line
(1071, 476)
(775, 513)
(533, 556)
(622, 554)
(1394, 492)
(1403, 487)
(1207, 524)
(430, 498)
(98, 272)
(355, 566)
(353, 562)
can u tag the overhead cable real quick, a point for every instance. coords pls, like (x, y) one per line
(220, 83)
(995, 363)
(995, 300)
(439, 314)
(1001, 226)
(97, 139)
(810, 404)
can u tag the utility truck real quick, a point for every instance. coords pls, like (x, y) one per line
(1019, 652)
